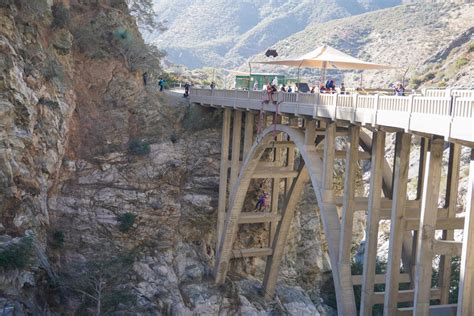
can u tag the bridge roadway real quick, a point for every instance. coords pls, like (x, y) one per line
(308, 126)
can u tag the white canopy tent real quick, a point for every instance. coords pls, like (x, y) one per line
(326, 57)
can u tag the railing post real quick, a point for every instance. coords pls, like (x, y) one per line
(335, 104)
(448, 92)
(376, 109)
(410, 109)
(355, 99)
(235, 98)
(316, 104)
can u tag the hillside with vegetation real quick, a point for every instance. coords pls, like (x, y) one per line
(225, 33)
(432, 43)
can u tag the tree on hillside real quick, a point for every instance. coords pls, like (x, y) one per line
(143, 11)
(136, 54)
(100, 284)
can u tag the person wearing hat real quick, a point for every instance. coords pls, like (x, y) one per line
(399, 89)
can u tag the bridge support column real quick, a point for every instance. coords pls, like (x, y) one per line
(426, 235)
(397, 223)
(373, 218)
(235, 155)
(348, 216)
(466, 280)
(328, 161)
(278, 247)
(223, 173)
(424, 142)
(248, 133)
(275, 193)
(452, 186)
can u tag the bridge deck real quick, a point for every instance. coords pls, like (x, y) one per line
(436, 114)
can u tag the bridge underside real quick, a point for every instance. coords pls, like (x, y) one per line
(292, 151)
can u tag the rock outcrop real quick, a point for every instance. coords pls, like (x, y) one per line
(95, 166)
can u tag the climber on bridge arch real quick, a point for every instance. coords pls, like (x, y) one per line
(262, 202)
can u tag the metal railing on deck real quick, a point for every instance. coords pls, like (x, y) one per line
(444, 105)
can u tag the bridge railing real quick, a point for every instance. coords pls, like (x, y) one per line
(465, 93)
(449, 113)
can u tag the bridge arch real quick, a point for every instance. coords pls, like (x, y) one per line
(311, 171)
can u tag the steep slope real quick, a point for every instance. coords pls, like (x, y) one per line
(216, 32)
(103, 178)
(418, 38)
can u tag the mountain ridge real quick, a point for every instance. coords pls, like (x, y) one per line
(258, 26)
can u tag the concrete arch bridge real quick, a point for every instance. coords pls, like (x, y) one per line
(307, 126)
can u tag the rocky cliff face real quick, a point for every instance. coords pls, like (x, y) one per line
(36, 106)
(96, 168)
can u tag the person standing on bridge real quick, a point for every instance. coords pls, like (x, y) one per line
(161, 83)
(186, 89)
(399, 89)
(255, 85)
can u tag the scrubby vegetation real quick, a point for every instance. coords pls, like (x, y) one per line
(461, 62)
(61, 15)
(198, 118)
(136, 54)
(100, 285)
(138, 148)
(16, 255)
(57, 239)
(52, 69)
(126, 221)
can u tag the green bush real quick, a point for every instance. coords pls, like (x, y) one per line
(415, 82)
(57, 239)
(197, 118)
(123, 35)
(138, 148)
(16, 256)
(61, 15)
(470, 47)
(126, 221)
(461, 62)
(429, 76)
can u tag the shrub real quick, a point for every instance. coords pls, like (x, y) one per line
(91, 40)
(126, 221)
(198, 118)
(136, 54)
(54, 105)
(173, 138)
(57, 239)
(416, 82)
(138, 148)
(122, 35)
(470, 47)
(461, 62)
(17, 255)
(61, 15)
(429, 76)
(52, 69)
